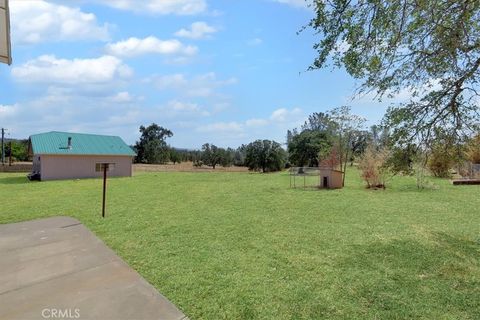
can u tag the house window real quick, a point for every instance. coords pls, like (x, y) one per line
(100, 166)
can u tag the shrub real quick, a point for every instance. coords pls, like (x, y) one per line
(373, 167)
(440, 162)
(197, 163)
(473, 149)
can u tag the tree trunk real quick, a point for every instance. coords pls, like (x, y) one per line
(346, 159)
(345, 168)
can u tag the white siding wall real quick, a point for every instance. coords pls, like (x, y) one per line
(55, 167)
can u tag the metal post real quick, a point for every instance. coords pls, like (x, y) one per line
(105, 166)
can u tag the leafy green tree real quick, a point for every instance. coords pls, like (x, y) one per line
(226, 158)
(212, 155)
(265, 155)
(175, 156)
(358, 144)
(18, 151)
(305, 147)
(319, 121)
(152, 148)
(402, 159)
(239, 156)
(429, 48)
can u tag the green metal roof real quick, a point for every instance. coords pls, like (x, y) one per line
(82, 144)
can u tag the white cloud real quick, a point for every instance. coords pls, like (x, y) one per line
(172, 81)
(256, 122)
(160, 7)
(35, 21)
(7, 111)
(257, 127)
(284, 115)
(255, 42)
(176, 108)
(203, 85)
(219, 127)
(180, 106)
(48, 69)
(122, 97)
(149, 45)
(295, 3)
(198, 30)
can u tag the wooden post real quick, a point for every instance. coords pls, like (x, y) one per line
(105, 166)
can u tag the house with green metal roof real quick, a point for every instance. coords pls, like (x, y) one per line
(65, 155)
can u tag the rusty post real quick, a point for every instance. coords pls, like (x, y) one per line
(105, 166)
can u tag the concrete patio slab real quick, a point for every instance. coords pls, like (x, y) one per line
(55, 268)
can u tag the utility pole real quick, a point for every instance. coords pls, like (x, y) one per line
(3, 146)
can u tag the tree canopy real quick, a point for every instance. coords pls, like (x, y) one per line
(152, 148)
(265, 155)
(213, 156)
(305, 147)
(18, 150)
(429, 48)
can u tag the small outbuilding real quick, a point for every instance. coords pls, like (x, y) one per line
(331, 178)
(63, 155)
(316, 177)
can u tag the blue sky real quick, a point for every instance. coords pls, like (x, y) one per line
(225, 72)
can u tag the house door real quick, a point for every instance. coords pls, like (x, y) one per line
(325, 182)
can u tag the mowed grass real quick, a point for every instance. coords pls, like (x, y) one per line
(246, 246)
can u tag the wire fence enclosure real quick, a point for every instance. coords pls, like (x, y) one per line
(315, 177)
(469, 170)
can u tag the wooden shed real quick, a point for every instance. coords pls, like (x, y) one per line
(331, 178)
(63, 155)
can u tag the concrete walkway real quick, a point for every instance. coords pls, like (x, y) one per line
(55, 268)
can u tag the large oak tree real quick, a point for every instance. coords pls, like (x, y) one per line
(428, 48)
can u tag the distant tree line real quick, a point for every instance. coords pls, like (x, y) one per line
(335, 139)
(260, 155)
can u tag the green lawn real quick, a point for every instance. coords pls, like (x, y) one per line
(245, 246)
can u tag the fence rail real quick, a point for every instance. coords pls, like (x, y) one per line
(16, 167)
